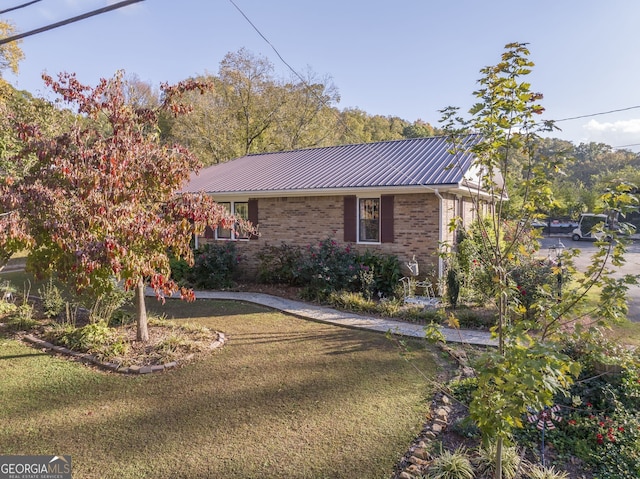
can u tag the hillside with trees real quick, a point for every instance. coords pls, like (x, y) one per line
(249, 109)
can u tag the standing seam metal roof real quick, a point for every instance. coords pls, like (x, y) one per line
(412, 162)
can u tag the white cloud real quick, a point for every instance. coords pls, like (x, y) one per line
(631, 126)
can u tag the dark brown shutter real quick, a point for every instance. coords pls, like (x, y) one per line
(252, 208)
(350, 219)
(386, 219)
(208, 233)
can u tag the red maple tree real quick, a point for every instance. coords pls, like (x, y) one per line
(101, 203)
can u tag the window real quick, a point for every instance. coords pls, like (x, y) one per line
(240, 209)
(369, 220)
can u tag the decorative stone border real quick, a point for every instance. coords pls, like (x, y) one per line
(114, 367)
(417, 460)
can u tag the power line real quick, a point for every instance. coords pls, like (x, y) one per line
(598, 114)
(69, 20)
(19, 6)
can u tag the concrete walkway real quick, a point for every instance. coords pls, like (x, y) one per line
(346, 319)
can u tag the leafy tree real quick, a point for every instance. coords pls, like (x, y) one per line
(99, 203)
(528, 368)
(593, 159)
(419, 129)
(10, 53)
(250, 110)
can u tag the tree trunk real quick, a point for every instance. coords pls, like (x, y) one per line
(498, 471)
(142, 333)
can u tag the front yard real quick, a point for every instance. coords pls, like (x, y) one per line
(284, 398)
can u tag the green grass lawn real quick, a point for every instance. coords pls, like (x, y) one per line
(284, 398)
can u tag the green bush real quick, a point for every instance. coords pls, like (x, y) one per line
(451, 465)
(485, 461)
(530, 277)
(352, 302)
(541, 472)
(53, 303)
(328, 267)
(601, 411)
(279, 264)
(21, 318)
(94, 338)
(215, 266)
(108, 306)
(180, 269)
(384, 274)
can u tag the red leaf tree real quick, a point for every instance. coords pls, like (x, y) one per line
(101, 202)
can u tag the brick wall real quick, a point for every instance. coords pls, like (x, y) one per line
(306, 220)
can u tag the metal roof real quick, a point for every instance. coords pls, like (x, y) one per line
(397, 163)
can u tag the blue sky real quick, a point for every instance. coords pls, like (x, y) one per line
(406, 59)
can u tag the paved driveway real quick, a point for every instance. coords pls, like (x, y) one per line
(587, 248)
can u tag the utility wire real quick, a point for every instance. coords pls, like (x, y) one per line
(68, 20)
(324, 102)
(19, 6)
(598, 114)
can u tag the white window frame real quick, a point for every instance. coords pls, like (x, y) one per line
(233, 236)
(358, 223)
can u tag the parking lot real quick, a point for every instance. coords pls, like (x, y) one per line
(587, 248)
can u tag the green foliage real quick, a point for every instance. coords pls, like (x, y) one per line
(451, 465)
(352, 301)
(94, 338)
(531, 276)
(525, 374)
(485, 461)
(179, 269)
(53, 303)
(453, 285)
(384, 271)
(541, 472)
(463, 389)
(328, 267)
(279, 264)
(21, 317)
(215, 265)
(7, 307)
(602, 409)
(108, 306)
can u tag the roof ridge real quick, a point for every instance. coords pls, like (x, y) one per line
(346, 145)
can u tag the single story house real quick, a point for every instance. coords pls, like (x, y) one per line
(395, 197)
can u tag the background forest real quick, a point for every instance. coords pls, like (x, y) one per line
(249, 109)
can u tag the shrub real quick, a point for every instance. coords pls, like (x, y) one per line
(453, 285)
(530, 278)
(451, 465)
(601, 416)
(94, 338)
(352, 302)
(180, 269)
(328, 267)
(541, 472)
(279, 264)
(53, 302)
(215, 266)
(485, 461)
(108, 304)
(383, 274)
(21, 318)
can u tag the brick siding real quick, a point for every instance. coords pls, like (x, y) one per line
(307, 220)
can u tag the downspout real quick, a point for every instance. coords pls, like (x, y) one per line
(440, 233)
